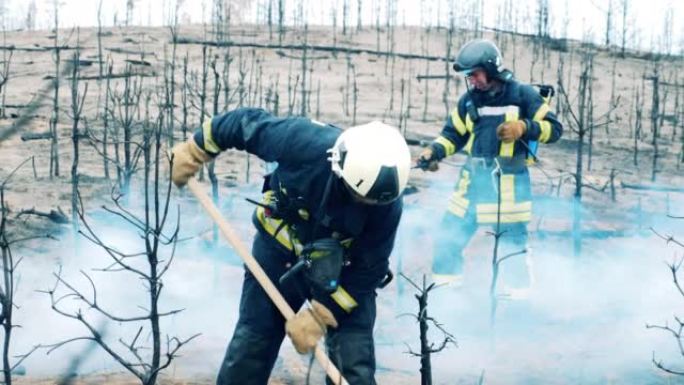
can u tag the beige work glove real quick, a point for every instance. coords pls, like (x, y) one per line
(188, 158)
(308, 326)
(426, 162)
(511, 131)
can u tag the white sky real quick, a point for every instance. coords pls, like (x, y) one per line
(585, 17)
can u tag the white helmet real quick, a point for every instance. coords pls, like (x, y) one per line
(373, 160)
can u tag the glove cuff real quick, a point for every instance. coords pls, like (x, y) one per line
(438, 152)
(197, 153)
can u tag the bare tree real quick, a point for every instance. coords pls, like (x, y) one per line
(655, 112)
(609, 23)
(106, 119)
(676, 331)
(100, 58)
(581, 128)
(202, 93)
(270, 20)
(54, 144)
(127, 106)
(668, 24)
(497, 260)
(281, 21)
(8, 284)
(303, 76)
(184, 97)
(625, 26)
(424, 320)
(170, 84)
(156, 258)
(77, 103)
(543, 19)
(31, 15)
(130, 5)
(211, 167)
(638, 110)
(447, 65)
(4, 78)
(359, 13)
(345, 16)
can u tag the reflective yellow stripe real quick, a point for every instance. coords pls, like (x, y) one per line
(469, 124)
(458, 204)
(504, 218)
(464, 182)
(545, 134)
(445, 279)
(541, 112)
(507, 188)
(506, 207)
(342, 298)
(271, 225)
(209, 144)
(510, 212)
(458, 122)
(469, 146)
(544, 125)
(448, 146)
(469, 127)
(512, 116)
(508, 149)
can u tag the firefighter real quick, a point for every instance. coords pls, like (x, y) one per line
(325, 230)
(498, 123)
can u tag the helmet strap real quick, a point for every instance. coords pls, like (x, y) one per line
(324, 201)
(334, 159)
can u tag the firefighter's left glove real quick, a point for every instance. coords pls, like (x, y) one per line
(308, 326)
(511, 131)
(188, 158)
(427, 161)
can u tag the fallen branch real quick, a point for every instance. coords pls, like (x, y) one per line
(130, 52)
(651, 187)
(36, 136)
(308, 47)
(56, 216)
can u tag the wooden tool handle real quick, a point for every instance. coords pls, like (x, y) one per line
(258, 273)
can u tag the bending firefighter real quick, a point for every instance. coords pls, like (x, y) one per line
(498, 123)
(326, 227)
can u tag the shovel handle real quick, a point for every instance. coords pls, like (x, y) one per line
(258, 273)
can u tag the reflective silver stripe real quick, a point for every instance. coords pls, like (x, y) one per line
(496, 111)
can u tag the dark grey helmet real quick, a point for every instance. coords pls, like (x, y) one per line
(481, 54)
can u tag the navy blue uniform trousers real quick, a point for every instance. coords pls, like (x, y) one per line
(260, 329)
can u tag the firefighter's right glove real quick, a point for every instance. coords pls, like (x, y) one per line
(188, 158)
(427, 161)
(511, 131)
(308, 326)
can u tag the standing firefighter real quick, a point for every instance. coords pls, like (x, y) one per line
(326, 227)
(498, 123)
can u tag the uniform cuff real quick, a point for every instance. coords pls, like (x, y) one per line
(438, 151)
